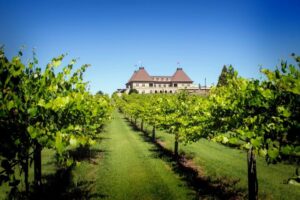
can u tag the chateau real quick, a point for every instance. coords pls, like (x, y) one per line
(145, 84)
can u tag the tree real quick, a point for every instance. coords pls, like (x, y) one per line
(226, 73)
(133, 91)
(99, 92)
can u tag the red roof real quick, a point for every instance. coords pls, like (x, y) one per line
(140, 75)
(180, 76)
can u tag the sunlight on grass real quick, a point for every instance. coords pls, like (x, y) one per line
(218, 161)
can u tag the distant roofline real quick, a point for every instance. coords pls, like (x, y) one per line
(181, 81)
(179, 74)
(162, 76)
(154, 81)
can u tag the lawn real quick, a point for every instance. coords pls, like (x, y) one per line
(130, 168)
(218, 162)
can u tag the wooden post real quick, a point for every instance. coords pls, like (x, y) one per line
(26, 174)
(142, 125)
(153, 133)
(176, 145)
(252, 176)
(37, 165)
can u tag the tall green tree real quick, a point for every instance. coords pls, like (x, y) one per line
(226, 74)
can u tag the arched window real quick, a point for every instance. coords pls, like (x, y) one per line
(170, 91)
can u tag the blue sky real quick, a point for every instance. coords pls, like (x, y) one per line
(114, 36)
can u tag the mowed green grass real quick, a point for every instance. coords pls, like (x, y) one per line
(221, 162)
(130, 170)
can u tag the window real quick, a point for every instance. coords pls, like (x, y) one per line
(170, 91)
(143, 92)
(164, 85)
(150, 91)
(155, 91)
(136, 84)
(170, 85)
(175, 84)
(159, 85)
(150, 84)
(143, 84)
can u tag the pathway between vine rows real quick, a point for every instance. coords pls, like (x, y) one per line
(130, 169)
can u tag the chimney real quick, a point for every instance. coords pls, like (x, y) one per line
(179, 68)
(141, 67)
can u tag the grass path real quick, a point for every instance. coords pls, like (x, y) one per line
(130, 170)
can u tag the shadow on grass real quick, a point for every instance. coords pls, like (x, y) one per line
(132, 124)
(206, 187)
(61, 186)
(85, 153)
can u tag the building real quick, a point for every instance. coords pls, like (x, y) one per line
(145, 84)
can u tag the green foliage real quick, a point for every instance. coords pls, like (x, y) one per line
(263, 114)
(50, 107)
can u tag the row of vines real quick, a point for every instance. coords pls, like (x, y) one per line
(259, 116)
(47, 107)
